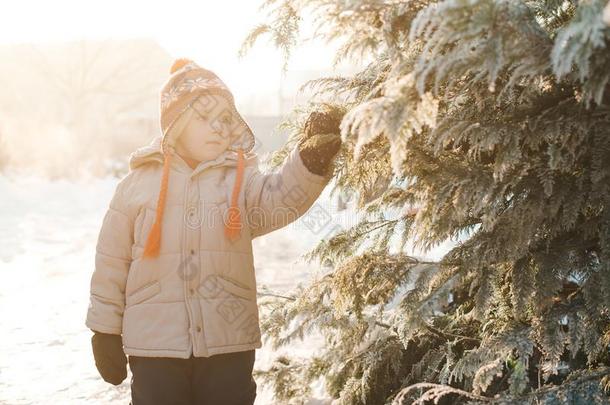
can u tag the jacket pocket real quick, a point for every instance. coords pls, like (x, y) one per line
(229, 311)
(219, 286)
(143, 293)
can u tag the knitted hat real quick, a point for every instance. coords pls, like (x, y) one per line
(187, 83)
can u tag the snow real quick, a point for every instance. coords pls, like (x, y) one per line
(47, 243)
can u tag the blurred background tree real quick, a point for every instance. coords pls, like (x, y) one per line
(482, 121)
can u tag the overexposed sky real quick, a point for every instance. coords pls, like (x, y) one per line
(210, 32)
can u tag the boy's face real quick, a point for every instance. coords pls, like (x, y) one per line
(210, 130)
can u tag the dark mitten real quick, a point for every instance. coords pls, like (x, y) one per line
(110, 358)
(321, 140)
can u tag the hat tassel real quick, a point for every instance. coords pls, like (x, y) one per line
(233, 225)
(153, 242)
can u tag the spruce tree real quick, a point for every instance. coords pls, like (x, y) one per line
(482, 121)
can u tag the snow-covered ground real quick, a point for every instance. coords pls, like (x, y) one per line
(48, 231)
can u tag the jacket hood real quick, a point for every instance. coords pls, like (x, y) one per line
(153, 153)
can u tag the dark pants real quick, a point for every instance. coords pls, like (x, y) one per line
(221, 379)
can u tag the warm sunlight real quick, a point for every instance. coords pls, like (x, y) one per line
(210, 32)
(116, 54)
(313, 202)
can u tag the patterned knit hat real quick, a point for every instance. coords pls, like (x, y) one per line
(187, 83)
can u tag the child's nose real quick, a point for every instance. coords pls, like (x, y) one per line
(217, 125)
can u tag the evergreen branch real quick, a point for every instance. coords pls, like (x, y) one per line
(436, 391)
(491, 119)
(547, 390)
(448, 336)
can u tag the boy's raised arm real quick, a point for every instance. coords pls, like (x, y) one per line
(112, 262)
(276, 199)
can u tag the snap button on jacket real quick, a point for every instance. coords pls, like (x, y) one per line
(199, 295)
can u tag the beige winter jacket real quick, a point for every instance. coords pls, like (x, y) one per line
(199, 295)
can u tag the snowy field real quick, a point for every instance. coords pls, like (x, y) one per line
(47, 245)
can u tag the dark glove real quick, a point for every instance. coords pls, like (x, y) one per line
(110, 358)
(321, 141)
